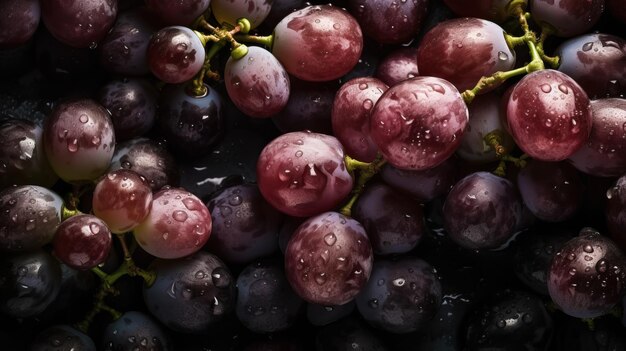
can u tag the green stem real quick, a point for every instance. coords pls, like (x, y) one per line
(513, 42)
(491, 82)
(266, 41)
(553, 61)
(66, 212)
(365, 172)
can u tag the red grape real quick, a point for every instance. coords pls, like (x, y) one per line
(229, 11)
(175, 54)
(82, 241)
(399, 65)
(397, 22)
(567, 18)
(425, 185)
(19, 22)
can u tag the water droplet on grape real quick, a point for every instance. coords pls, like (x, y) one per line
(601, 266)
(546, 88)
(563, 88)
(179, 215)
(72, 146)
(373, 303)
(503, 56)
(587, 46)
(588, 249)
(330, 239)
(399, 282)
(83, 119)
(363, 86)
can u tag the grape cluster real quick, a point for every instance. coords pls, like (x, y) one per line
(280, 175)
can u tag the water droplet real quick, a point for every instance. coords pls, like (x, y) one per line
(330, 239)
(501, 323)
(363, 86)
(587, 46)
(94, 228)
(503, 56)
(235, 200)
(399, 282)
(572, 271)
(179, 215)
(373, 303)
(200, 275)
(563, 88)
(83, 119)
(601, 266)
(571, 257)
(336, 26)
(320, 278)
(72, 145)
(165, 235)
(588, 249)
(368, 104)
(546, 88)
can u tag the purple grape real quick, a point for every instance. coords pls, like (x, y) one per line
(229, 11)
(303, 174)
(482, 211)
(82, 241)
(586, 276)
(418, 123)
(567, 18)
(549, 115)
(399, 65)
(328, 259)
(123, 50)
(81, 24)
(492, 10)
(350, 116)
(424, 185)
(257, 83)
(62, 336)
(175, 54)
(390, 23)
(132, 103)
(596, 62)
(79, 140)
(135, 330)
(19, 22)
(615, 212)
(182, 12)
(402, 295)
(463, 50)
(318, 43)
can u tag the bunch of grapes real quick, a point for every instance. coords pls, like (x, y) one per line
(281, 175)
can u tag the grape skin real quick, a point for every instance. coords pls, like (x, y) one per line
(19, 22)
(180, 12)
(135, 330)
(567, 18)
(175, 54)
(399, 65)
(229, 11)
(82, 241)
(492, 10)
(424, 185)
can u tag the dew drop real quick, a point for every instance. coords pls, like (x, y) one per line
(546, 88)
(501, 323)
(587, 46)
(83, 119)
(601, 266)
(367, 104)
(572, 271)
(94, 228)
(330, 239)
(72, 146)
(298, 153)
(320, 278)
(503, 56)
(373, 303)
(363, 86)
(588, 249)
(179, 215)
(563, 88)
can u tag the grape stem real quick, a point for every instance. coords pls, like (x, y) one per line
(553, 61)
(494, 140)
(266, 41)
(365, 172)
(99, 306)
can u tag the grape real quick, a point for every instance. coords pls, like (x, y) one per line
(549, 115)
(318, 43)
(149, 159)
(245, 227)
(320, 315)
(280, 9)
(303, 174)
(132, 103)
(395, 23)
(62, 337)
(463, 50)
(135, 330)
(80, 24)
(328, 259)
(393, 221)
(596, 62)
(191, 124)
(424, 185)
(182, 12)
(82, 241)
(567, 18)
(552, 191)
(418, 123)
(229, 11)
(399, 65)
(30, 282)
(401, 296)
(615, 212)
(192, 293)
(175, 54)
(22, 158)
(257, 83)
(350, 116)
(19, 22)
(123, 50)
(482, 211)
(30, 216)
(492, 10)
(265, 301)
(586, 275)
(122, 199)
(178, 225)
(79, 140)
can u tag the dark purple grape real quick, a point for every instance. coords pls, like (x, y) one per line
(567, 18)
(192, 293)
(586, 276)
(463, 50)
(303, 174)
(328, 259)
(178, 225)
(492, 10)
(510, 318)
(549, 115)
(482, 211)
(175, 54)
(30, 282)
(552, 191)
(596, 62)
(29, 217)
(393, 221)
(401, 296)
(19, 22)
(265, 301)
(257, 83)
(61, 338)
(309, 107)
(122, 199)
(399, 65)
(348, 334)
(79, 140)
(149, 159)
(190, 124)
(182, 12)
(320, 315)
(350, 116)
(318, 43)
(603, 154)
(229, 11)
(418, 123)
(82, 24)
(123, 50)
(82, 241)
(133, 104)
(616, 212)
(390, 23)
(424, 185)
(22, 157)
(135, 331)
(245, 226)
